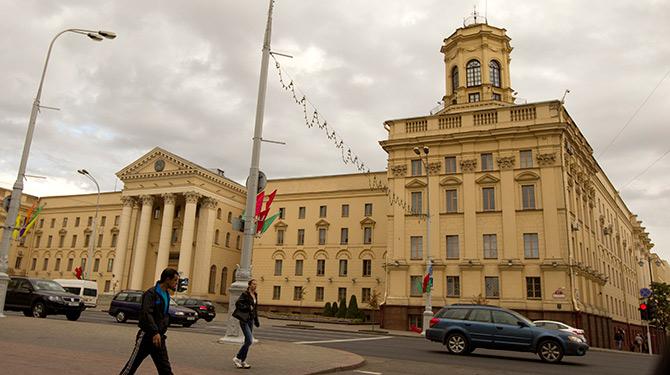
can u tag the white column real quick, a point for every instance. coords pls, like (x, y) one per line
(122, 243)
(166, 233)
(140, 258)
(203, 249)
(186, 248)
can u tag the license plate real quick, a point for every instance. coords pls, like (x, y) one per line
(73, 303)
(191, 318)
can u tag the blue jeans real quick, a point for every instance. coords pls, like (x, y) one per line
(246, 327)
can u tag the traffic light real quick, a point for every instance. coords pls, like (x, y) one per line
(182, 285)
(644, 311)
(651, 310)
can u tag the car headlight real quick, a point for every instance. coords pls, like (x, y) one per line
(575, 339)
(55, 299)
(179, 313)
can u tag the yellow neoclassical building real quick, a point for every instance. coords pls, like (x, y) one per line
(522, 216)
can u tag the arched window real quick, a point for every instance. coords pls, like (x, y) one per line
(238, 244)
(218, 214)
(216, 237)
(224, 281)
(454, 79)
(212, 279)
(234, 275)
(227, 239)
(473, 72)
(494, 73)
(230, 217)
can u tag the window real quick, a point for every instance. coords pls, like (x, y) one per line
(453, 286)
(341, 294)
(76, 221)
(496, 97)
(37, 241)
(114, 238)
(280, 237)
(57, 267)
(488, 199)
(416, 167)
(41, 223)
(298, 267)
(452, 200)
(322, 236)
(416, 247)
(53, 223)
(61, 240)
(368, 209)
(323, 210)
(473, 72)
(174, 237)
(228, 239)
(278, 266)
(276, 292)
(110, 264)
(320, 267)
(344, 236)
(117, 219)
(64, 222)
(70, 263)
(319, 294)
(301, 236)
(301, 212)
(365, 295)
(417, 202)
(100, 236)
(282, 213)
(343, 267)
(345, 210)
(415, 286)
(17, 263)
(452, 247)
(474, 97)
(526, 158)
(45, 264)
(487, 162)
(492, 287)
(90, 221)
(96, 264)
(494, 73)
(490, 246)
(533, 288)
(531, 245)
(501, 317)
(49, 239)
(87, 240)
(367, 267)
(103, 221)
(528, 197)
(157, 212)
(450, 164)
(33, 265)
(297, 293)
(367, 235)
(454, 79)
(108, 285)
(216, 237)
(238, 242)
(456, 314)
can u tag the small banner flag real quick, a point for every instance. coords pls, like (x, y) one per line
(428, 279)
(259, 202)
(268, 222)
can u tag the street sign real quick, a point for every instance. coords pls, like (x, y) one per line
(262, 181)
(559, 294)
(645, 292)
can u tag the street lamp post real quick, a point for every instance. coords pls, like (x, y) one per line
(17, 190)
(89, 263)
(428, 312)
(651, 281)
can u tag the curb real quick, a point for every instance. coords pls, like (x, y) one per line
(363, 332)
(341, 368)
(604, 350)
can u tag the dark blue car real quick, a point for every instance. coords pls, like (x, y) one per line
(463, 328)
(128, 303)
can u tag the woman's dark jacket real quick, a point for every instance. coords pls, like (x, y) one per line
(246, 309)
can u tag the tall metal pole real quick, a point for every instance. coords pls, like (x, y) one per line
(428, 313)
(243, 273)
(91, 242)
(651, 281)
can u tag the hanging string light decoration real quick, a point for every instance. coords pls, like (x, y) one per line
(313, 118)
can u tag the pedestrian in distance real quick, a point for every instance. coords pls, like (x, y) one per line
(246, 311)
(639, 341)
(154, 322)
(618, 339)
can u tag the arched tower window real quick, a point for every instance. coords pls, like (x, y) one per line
(494, 73)
(224, 281)
(454, 79)
(216, 237)
(228, 239)
(473, 71)
(230, 217)
(212, 279)
(218, 214)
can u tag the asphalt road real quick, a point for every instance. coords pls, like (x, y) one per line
(409, 355)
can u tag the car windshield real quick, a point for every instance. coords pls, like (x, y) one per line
(47, 285)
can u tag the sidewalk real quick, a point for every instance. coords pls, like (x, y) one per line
(48, 346)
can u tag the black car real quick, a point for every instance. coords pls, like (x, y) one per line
(128, 303)
(39, 298)
(204, 308)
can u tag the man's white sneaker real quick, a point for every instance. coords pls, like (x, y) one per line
(245, 365)
(238, 362)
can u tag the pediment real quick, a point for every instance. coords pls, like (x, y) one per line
(450, 181)
(487, 179)
(155, 163)
(368, 222)
(527, 176)
(415, 183)
(322, 223)
(280, 225)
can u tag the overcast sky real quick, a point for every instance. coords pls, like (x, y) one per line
(183, 75)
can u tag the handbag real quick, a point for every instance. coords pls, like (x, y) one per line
(240, 315)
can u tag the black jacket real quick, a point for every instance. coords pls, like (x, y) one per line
(246, 309)
(153, 319)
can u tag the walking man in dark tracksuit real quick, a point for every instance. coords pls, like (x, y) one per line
(154, 321)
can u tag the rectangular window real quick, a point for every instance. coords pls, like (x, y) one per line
(497, 97)
(368, 209)
(487, 162)
(74, 241)
(528, 197)
(322, 236)
(301, 212)
(417, 202)
(365, 295)
(41, 223)
(416, 247)
(415, 286)
(45, 264)
(174, 237)
(341, 294)
(96, 264)
(70, 264)
(492, 287)
(367, 235)
(473, 97)
(416, 167)
(278, 266)
(533, 288)
(90, 221)
(57, 266)
(49, 240)
(320, 267)
(345, 210)
(488, 199)
(64, 222)
(531, 246)
(280, 237)
(526, 158)
(450, 164)
(343, 267)
(452, 200)
(282, 213)
(323, 211)
(110, 264)
(100, 236)
(298, 267)
(103, 221)
(344, 236)
(53, 223)
(276, 292)
(490, 246)
(33, 265)
(117, 219)
(115, 236)
(452, 247)
(297, 293)
(61, 240)
(319, 294)
(301, 237)
(17, 263)
(37, 241)
(367, 267)
(453, 286)
(108, 284)
(76, 221)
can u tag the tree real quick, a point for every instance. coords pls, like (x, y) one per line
(342, 311)
(660, 300)
(301, 297)
(334, 309)
(352, 310)
(374, 302)
(327, 309)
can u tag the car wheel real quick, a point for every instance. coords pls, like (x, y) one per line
(120, 317)
(73, 315)
(550, 351)
(457, 343)
(27, 312)
(39, 310)
(209, 319)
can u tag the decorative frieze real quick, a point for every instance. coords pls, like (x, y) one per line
(399, 170)
(506, 162)
(546, 159)
(434, 167)
(469, 165)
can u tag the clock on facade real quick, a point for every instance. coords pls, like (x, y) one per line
(159, 165)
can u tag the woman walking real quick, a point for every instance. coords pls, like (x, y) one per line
(246, 312)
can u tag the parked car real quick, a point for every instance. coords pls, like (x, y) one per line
(204, 308)
(87, 290)
(127, 304)
(463, 328)
(551, 324)
(40, 297)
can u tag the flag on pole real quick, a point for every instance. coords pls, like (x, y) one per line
(268, 222)
(17, 226)
(259, 202)
(428, 279)
(271, 197)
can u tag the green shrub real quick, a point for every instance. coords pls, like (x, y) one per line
(342, 311)
(327, 309)
(333, 309)
(352, 310)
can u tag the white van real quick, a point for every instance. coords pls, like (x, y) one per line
(86, 289)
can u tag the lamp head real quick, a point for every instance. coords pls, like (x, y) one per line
(425, 150)
(107, 34)
(82, 171)
(94, 36)
(416, 151)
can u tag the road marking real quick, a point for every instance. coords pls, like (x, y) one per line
(368, 372)
(342, 340)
